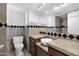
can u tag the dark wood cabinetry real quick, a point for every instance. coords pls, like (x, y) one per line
(37, 50)
(54, 52)
(34, 49)
(41, 52)
(32, 45)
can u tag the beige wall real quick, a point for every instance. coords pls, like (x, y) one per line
(36, 31)
(3, 21)
(3, 28)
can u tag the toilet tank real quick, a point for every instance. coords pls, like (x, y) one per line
(18, 39)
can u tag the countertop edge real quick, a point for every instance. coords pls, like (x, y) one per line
(61, 50)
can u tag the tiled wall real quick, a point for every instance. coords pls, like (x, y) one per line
(3, 28)
(67, 36)
(36, 31)
(13, 31)
(2, 21)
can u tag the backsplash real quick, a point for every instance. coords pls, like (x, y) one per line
(62, 35)
(35, 29)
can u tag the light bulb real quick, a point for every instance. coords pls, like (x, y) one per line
(56, 8)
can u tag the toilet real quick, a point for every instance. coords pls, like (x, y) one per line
(18, 45)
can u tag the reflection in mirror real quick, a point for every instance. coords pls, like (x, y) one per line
(60, 24)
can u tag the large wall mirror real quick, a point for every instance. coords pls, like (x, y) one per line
(66, 23)
(65, 20)
(60, 24)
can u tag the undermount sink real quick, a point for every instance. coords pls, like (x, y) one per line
(44, 41)
(1, 46)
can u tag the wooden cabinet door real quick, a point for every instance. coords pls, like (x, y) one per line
(54, 52)
(41, 52)
(32, 46)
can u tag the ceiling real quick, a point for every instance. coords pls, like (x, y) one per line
(34, 6)
(49, 6)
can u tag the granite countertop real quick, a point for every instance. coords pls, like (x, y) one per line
(37, 36)
(68, 47)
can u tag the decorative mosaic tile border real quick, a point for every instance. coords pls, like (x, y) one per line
(11, 26)
(36, 26)
(71, 36)
(29, 26)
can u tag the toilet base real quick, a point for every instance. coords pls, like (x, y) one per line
(19, 53)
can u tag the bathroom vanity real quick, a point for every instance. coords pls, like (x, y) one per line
(54, 52)
(33, 39)
(41, 50)
(58, 47)
(37, 49)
